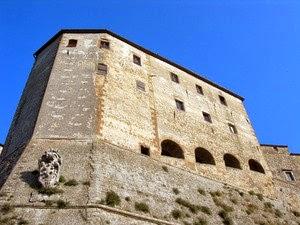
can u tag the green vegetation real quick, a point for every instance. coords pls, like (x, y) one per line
(50, 191)
(200, 221)
(215, 193)
(6, 208)
(176, 214)
(260, 197)
(193, 208)
(141, 206)
(176, 191)
(251, 192)
(165, 168)
(205, 210)
(225, 217)
(201, 191)
(62, 179)
(61, 204)
(251, 208)
(72, 182)
(112, 199)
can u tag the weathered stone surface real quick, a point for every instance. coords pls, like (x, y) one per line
(49, 168)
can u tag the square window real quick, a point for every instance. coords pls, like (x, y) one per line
(145, 150)
(207, 117)
(174, 77)
(104, 44)
(102, 69)
(222, 100)
(199, 89)
(137, 60)
(232, 128)
(289, 175)
(140, 85)
(179, 105)
(72, 43)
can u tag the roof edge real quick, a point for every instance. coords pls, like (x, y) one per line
(138, 47)
(273, 145)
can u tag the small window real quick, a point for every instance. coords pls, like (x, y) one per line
(222, 100)
(145, 150)
(206, 117)
(104, 44)
(232, 128)
(140, 85)
(179, 105)
(102, 69)
(137, 60)
(289, 175)
(199, 89)
(72, 43)
(174, 77)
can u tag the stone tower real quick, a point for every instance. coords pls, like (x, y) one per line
(130, 127)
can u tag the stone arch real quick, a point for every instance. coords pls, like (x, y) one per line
(171, 149)
(232, 161)
(203, 156)
(255, 166)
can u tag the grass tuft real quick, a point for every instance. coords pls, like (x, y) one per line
(176, 191)
(165, 168)
(141, 206)
(176, 214)
(72, 182)
(112, 199)
(201, 191)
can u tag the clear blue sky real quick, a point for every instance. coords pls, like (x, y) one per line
(250, 47)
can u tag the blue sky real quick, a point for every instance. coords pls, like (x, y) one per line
(250, 47)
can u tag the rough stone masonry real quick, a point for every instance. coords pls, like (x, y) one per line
(143, 141)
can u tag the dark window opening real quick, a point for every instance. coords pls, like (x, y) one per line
(204, 157)
(222, 100)
(231, 161)
(207, 117)
(199, 89)
(179, 105)
(140, 85)
(171, 149)
(137, 60)
(174, 77)
(255, 166)
(232, 128)
(102, 69)
(289, 175)
(104, 44)
(145, 150)
(72, 43)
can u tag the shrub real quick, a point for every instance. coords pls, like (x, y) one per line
(200, 221)
(23, 222)
(50, 191)
(278, 213)
(62, 179)
(48, 202)
(268, 205)
(176, 191)
(201, 191)
(141, 206)
(205, 210)
(87, 183)
(296, 213)
(241, 194)
(251, 192)
(165, 168)
(251, 208)
(72, 182)
(176, 214)
(215, 193)
(127, 199)
(193, 208)
(234, 200)
(112, 199)
(222, 205)
(6, 208)
(225, 218)
(61, 204)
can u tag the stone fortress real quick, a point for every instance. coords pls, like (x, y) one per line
(139, 140)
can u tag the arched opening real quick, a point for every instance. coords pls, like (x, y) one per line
(255, 166)
(231, 161)
(171, 149)
(204, 157)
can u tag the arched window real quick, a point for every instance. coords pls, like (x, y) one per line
(171, 149)
(231, 161)
(203, 156)
(255, 166)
